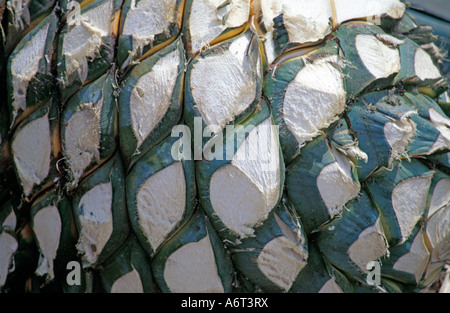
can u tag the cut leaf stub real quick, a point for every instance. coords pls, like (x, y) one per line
(392, 127)
(355, 239)
(223, 146)
(224, 83)
(8, 240)
(89, 128)
(55, 234)
(277, 253)
(208, 21)
(100, 212)
(29, 79)
(320, 182)
(243, 176)
(128, 270)
(146, 27)
(38, 133)
(208, 269)
(401, 196)
(150, 103)
(372, 57)
(160, 195)
(86, 45)
(418, 260)
(307, 95)
(21, 16)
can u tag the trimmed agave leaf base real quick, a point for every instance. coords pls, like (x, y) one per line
(193, 146)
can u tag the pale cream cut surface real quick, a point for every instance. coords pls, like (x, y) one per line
(152, 95)
(83, 40)
(331, 287)
(314, 99)
(244, 192)
(207, 21)
(96, 222)
(283, 257)
(438, 232)
(148, 18)
(442, 124)
(390, 40)
(370, 246)
(161, 202)
(440, 197)
(350, 9)
(224, 84)
(399, 133)
(354, 152)
(336, 184)
(34, 167)
(82, 138)
(25, 65)
(8, 246)
(440, 144)
(424, 67)
(47, 227)
(379, 59)
(10, 222)
(292, 234)
(281, 260)
(304, 20)
(409, 198)
(416, 260)
(192, 268)
(128, 283)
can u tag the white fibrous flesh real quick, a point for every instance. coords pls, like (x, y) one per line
(305, 21)
(47, 227)
(207, 21)
(442, 124)
(146, 19)
(192, 268)
(224, 84)
(399, 133)
(10, 222)
(424, 67)
(25, 65)
(370, 246)
(282, 258)
(96, 222)
(440, 197)
(82, 139)
(244, 192)
(128, 283)
(152, 95)
(314, 99)
(438, 224)
(416, 260)
(380, 59)
(331, 286)
(9, 246)
(83, 40)
(438, 231)
(349, 10)
(34, 167)
(161, 203)
(336, 184)
(409, 198)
